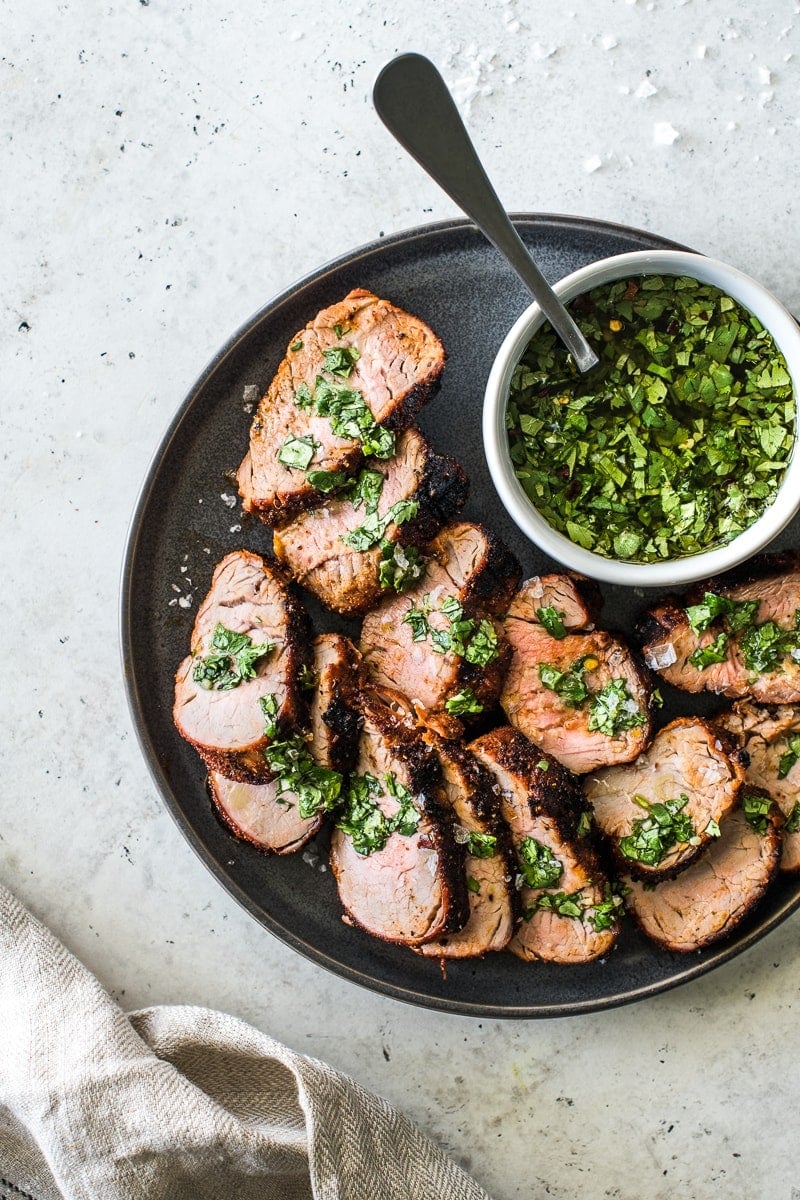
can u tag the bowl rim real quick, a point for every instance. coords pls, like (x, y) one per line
(748, 292)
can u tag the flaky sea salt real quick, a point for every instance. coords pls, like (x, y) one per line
(645, 89)
(664, 134)
(592, 164)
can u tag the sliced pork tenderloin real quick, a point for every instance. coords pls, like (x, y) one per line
(661, 811)
(581, 695)
(261, 814)
(348, 551)
(334, 713)
(770, 738)
(570, 913)
(397, 864)
(736, 636)
(440, 644)
(706, 902)
(563, 602)
(489, 863)
(220, 685)
(360, 363)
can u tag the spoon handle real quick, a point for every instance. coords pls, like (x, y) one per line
(413, 101)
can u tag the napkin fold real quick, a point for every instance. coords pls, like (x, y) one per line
(180, 1103)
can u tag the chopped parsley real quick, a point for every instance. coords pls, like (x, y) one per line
(463, 702)
(371, 532)
(601, 916)
(756, 810)
(295, 346)
(793, 820)
(307, 678)
(317, 788)
(552, 620)
(539, 867)
(473, 885)
(351, 418)
(651, 837)
(470, 638)
(675, 443)
(762, 646)
(367, 490)
(327, 481)
(297, 452)
(400, 566)
(737, 613)
(340, 360)
(231, 660)
(789, 756)
(611, 710)
(569, 686)
(364, 821)
(481, 845)
(543, 764)
(714, 652)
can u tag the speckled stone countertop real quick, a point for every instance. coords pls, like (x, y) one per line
(167, 168)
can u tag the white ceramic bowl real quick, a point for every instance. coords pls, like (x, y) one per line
(751, 295)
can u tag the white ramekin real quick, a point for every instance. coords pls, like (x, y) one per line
(752, 296)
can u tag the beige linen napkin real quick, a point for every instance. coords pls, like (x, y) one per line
(180, 1103)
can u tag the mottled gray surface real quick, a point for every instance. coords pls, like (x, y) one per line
(167, 169)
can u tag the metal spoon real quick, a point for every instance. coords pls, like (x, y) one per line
(413, 101)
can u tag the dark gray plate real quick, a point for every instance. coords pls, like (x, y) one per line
(449, 275)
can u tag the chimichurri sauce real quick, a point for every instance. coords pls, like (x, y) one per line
(675, 443)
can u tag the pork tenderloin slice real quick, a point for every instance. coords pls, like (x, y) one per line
(542, 805)
(706, 902)
(770, 738)
(576, 601)
(258, 814)
(773, 581)
(311, 545)
(333, 710)
(250, 596)
(399, 365)
(466, 564)
(563, 727)
(412, 889)
(692, 768)
(489, 865)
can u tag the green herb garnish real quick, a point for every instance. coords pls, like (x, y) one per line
(792, 823)
(481, 845)
(307, 678)
(371, 532)
(473, 884)
(665, 826)
(340, 360)
(763, 646)
(756, 809)
(327, 481)
(351, 418)
(539, 867)
(367, 490)
(569, 686)
(552, 620)
(231, 660)
(737, 613)
(298, 452)
(714, 652)
(363, 820)
(789, 756)
(470, 638)
(295, 346)
(675, 443)
(463, 702)
(613, 709)
(400, 566)
(566, 904)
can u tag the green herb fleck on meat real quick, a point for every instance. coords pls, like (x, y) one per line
(613, 710)
(552, 620)
(789, 756)
(232, 660)
(363, 820)
(539, 867)
(463, 702)
(756, 810)
(714, 652)
(297, 452)
(651, 837)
